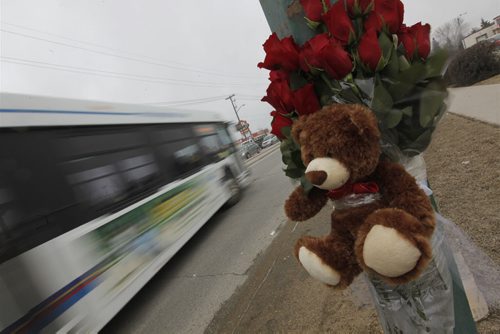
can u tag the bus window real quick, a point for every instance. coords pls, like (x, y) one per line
(113, 172)
(180, 158)
(225, 139)
(97, 186)
(90, 141)
(32, 190)
(138, 170)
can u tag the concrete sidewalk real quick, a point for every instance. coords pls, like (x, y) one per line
(478, 102)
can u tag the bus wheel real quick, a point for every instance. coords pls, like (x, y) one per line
(234, 190)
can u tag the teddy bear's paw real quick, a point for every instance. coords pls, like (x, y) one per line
(317, 268)
(388, 252)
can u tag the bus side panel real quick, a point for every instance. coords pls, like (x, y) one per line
(83, 278)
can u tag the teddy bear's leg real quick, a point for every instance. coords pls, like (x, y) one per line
(329, 259)
(391, 243)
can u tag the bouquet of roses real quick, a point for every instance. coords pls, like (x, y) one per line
(361, 52)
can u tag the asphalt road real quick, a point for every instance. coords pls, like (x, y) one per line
(186, 294)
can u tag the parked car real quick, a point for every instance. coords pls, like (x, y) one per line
(249, 149)
(269, 140)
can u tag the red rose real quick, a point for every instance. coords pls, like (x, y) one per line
(369, 50)
(279, 122)
(310, 53)
(313, 9)
(275, 75)
(326, 53)
(422, 38)
(279, 96)
(357, 8)
(335, 60)
(339, 24)
(305, 100)
(416, 38)
(282, 54)
(406, 38)
(386, 12)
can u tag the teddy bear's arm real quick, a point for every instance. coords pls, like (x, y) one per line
(300, 207)
(401, 191)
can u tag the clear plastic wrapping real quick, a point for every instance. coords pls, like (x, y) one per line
(424, 305)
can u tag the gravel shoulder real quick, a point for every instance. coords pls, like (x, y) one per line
(463, 168)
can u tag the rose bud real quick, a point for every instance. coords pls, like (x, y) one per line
(279, 121)
(305, 100)
(339, 24)
(282, 54)
(335, 60)
(276, 75)
(279, 96)
(406, 38)
(369, 50)
(416, 40)
(313, 9)
(386, 12)
(310, 55)
(422, 38)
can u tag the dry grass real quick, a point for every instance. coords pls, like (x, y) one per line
(463, 166)
(491, 81)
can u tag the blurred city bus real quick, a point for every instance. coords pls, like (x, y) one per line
(95, 198)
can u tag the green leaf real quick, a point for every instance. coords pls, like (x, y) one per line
(415, 73)
(430, 104)
(392, 67)
(408, 111)
(392, 118)
(420, 144)
(349, 96)
(382, 62)
(286, 146)
(297, 159)
(286, 131)
(386, 45)
(399, 90)
(403, 63)
(312, 24)
(286, 157)
(297, 81)
(382, 100)
(294, 173)
(439, 115)
(306, 184)
(435, 63)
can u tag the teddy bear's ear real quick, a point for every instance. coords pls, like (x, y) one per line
(365, 121)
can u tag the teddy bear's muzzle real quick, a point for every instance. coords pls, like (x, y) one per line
(327, 173)
(316, 177)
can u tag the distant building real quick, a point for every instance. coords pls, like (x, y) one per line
(482, 34)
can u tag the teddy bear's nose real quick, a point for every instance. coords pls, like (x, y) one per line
(316, 177)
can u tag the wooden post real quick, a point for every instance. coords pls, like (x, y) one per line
(286, 18)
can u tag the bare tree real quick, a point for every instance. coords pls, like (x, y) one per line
(450, 34)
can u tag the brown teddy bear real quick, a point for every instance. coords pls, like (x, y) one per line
(382, 221)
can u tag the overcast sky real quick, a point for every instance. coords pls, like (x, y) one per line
(147, 51)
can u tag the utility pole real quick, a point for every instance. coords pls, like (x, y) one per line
(230, 98)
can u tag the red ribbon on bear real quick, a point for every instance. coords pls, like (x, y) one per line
(354, 188)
